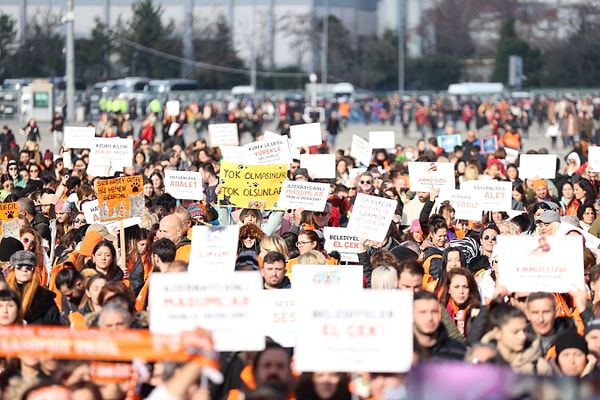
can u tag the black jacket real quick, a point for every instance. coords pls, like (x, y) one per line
(444, 348)
(136, 277)
(42, 224)
(43, 309)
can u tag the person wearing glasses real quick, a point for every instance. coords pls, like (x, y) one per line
(37, 302)
(488, 239)
(249, 238)
(13, 170)
(32, 241)
(364, 185)
(7, 186)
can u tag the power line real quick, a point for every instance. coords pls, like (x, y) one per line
(211, 67)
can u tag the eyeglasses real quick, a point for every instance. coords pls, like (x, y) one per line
(298, 243)
(489, 237)
(79, 221)
(26, 267)
(27, 240)
(320, 213)
(364, 182)
(12, 167)
(520, 299)
(248, 237)
(34, 170)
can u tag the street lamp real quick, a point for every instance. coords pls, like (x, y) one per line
(69, 19)
(313, 89)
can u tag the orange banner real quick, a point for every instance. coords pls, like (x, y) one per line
(120, 198)
(64, 343)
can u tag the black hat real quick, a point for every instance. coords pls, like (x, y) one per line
(8, 247)
(247, 259)
(592, 325)
(303, 172)
(570, 340)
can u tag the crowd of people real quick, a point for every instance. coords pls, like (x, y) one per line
(60, 268)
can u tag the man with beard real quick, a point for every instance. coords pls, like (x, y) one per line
(272, 369)
(72, 288)
(273, 271)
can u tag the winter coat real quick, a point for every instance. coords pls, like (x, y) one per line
(528, 361)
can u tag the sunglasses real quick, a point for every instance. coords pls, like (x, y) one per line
(26, 267)
(248, 237)
(520, 299)
(320, 213)
(27, 240)
(363, 182)
(79, 221)
(489, 237)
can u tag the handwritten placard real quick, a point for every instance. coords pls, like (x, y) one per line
(185, 185)
(121, 198)
(376, 325)
(371, 216)
(540, 263)
(311, 196)
(110, 155)
(79, 137)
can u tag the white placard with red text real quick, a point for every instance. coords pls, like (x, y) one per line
(497, 195)
(342, 240)
(279, 307)
(311, 196)
(270, 151)
(361, 150)
(467, 204)
(540, 263)
(319, 165)
(223, 305)
(185, 185)
(223, 135)
(371, 216)
(382, 139)
(79, 137)
(366, 331)
(109, 155)
(425, 176)
(537, 166)
(305, 135)
(307, 278)
(214, 249)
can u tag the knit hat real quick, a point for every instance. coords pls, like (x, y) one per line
(303, 172)
(538, 183)
(570, 340)
(23, 257)
(48, 155)
(196, 211)
(8, 247)
(91, 239)
(63, 206)
(415, 226)
(591, 325)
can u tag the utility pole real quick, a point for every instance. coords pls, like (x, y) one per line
(325, 49)
(69, 19)
(253, 50)
(401, 41)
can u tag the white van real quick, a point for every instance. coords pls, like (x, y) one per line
(343, 90)
(242, 92)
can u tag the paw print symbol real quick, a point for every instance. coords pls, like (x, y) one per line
(240, 166)
(135, 188)
(255, 184)
(10, 214)
(222, 181)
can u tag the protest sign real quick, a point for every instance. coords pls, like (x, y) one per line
(540, 263)
(238, 154)
(8, 215)
(369, 330)
(319, 165)
(279, 308)
(537, 166)
(371, 216)
(269, 135)
(223, 135)
(79, 137)
(173, 108)
(361, 150)
(467, 203)
(308, 278)
(594, 158)
(342, 240)
(311, 196)
(382, 139)
(121, 198)
(305, 135)
(212, 250)
(271, 151)
(69, 344)
(109, 155)
(91, 210)
(221, 303)
(185, 185)
(448, 142)
(497, 195)
(591, 241)
(251, 186)
(425, 176)
(489, 144)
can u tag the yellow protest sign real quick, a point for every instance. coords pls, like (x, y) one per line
(8, 216)
(120, 198)
(251, 186)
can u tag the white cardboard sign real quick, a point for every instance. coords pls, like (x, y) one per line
(425, 176)
(223, 135)
(308, 195)
(361, 150)
(342, 240)
(537, 166)
(173, 108)
(214, 249)
(305, 135)
(467, 204)
(271, 151)
(594, 158)
(540, 263)
(497, 195)
(222, 304)
(319, 165)
(371, 216)
(238, 154)
(308, 278)
(186, 185)
(109, 154)
(369, 330)
(79, 137)
(382, 139)
(280, 315)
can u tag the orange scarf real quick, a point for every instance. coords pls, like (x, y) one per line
(458, 315)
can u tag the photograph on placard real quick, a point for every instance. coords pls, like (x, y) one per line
(489, 144)
(449, 142)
